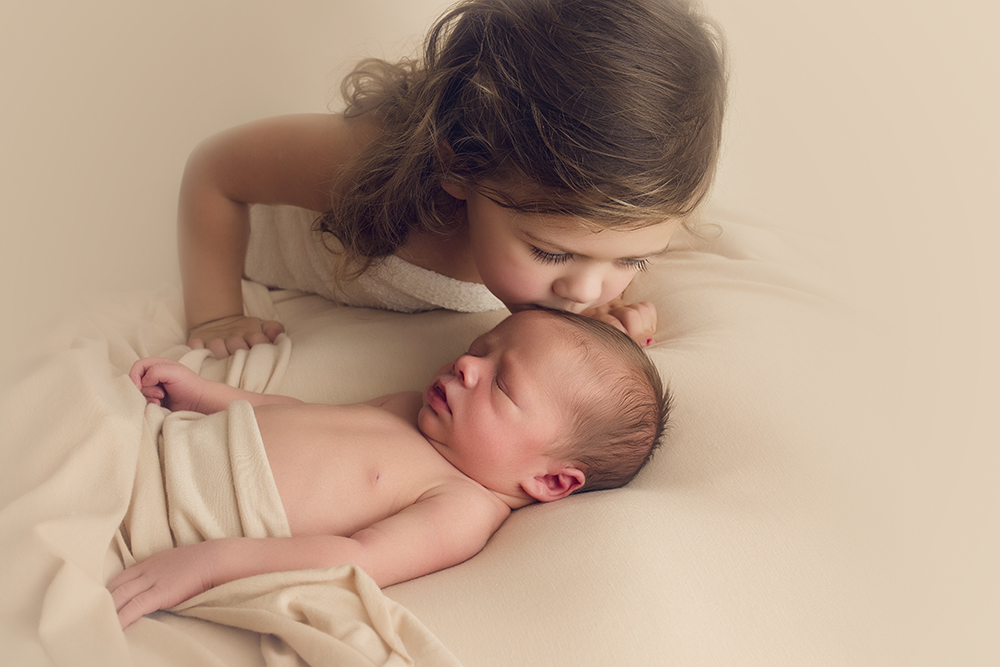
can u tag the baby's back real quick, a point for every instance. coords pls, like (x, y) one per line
(340, 469)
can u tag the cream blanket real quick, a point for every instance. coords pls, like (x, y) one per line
(204, 477)
(79, 452)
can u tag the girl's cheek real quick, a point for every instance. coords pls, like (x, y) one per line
(507, 281)
(614, 288)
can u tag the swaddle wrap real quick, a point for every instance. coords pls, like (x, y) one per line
(208, 477)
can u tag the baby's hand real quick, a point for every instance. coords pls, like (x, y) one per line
(224, 336)
(161, 581)
(638, 320)
(168, 383)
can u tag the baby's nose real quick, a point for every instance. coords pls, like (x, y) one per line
(466, 370)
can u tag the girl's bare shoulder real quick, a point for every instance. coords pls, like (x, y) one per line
(292, 159)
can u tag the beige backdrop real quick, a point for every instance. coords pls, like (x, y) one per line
(867, 129)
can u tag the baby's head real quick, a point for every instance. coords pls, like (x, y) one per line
(621, 406)
(546, 404)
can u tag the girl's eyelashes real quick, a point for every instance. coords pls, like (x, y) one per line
(549, 257)
(635, 264)
(562, 258)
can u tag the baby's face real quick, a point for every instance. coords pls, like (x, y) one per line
(496, 411)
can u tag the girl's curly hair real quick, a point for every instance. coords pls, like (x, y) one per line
(610, 109)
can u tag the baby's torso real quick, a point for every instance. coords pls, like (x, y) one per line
(339, 469)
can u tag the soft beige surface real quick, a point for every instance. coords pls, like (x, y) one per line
(862, 134)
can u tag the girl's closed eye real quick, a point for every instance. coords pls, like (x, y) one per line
(550, 257)
(635, 264)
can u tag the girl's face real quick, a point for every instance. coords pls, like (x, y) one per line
(534, 260)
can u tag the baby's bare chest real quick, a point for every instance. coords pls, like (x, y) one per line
(340, 469)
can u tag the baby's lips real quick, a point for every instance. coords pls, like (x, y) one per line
(438, 397)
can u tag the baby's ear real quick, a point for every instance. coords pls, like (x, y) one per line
(555, 484)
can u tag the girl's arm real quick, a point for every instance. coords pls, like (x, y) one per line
(284, 160)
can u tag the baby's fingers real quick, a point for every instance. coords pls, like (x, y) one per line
(135, 608)
(154, 395)
(139, 369)
(136, 597)
(124, 590)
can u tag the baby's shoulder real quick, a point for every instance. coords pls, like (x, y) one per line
(403, 404)
(462, 499)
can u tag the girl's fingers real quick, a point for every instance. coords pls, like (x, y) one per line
(218, 348)
(235, 343)
(272, 328)
(256, 339)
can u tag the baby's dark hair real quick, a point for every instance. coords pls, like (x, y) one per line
(606, 110)
(621, 412)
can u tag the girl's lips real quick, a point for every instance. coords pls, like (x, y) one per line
(437, 398)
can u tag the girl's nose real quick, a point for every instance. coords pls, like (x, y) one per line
(582, 286)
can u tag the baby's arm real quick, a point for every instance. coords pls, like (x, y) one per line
(176, 387)
(285, 160)
(430, 535)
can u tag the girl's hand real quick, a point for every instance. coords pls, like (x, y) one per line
(638, 320)
(161, 581)
(224, 336)
(169, 384)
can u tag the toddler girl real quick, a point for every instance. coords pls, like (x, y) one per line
(543, 150)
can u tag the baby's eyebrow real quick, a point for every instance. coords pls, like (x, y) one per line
(482, 340)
